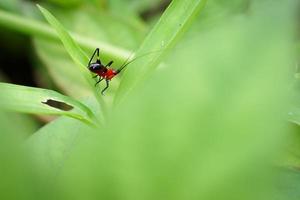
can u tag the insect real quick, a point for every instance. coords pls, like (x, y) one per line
(104, 71)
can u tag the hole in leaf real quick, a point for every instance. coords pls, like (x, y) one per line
(58, 104)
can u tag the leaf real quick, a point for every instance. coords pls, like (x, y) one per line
(35, 28)
(14, 169)
(55, 142)
(169, 29)
(52, 144)
(42, 101)
(105, 26)
(26, 124)
(184, 134)
(72, 47)
(75, 52)
(61, 69)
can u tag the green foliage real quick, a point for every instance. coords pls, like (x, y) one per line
(73, 48)
(61, 69)
(200, 117)
(163, 36)
(34, 100)
(40, 30)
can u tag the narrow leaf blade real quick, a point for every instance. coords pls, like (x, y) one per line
(72, 47)
(74, 50)
(42, 101)
(169, 29)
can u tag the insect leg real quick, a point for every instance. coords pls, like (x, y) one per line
(98, 60)
(95, 76)
(107, 85)
(109, 64)
(100, 79)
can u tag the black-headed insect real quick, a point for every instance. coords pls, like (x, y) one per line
(104, 71)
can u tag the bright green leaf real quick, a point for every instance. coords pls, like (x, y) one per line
(52, 144)
(72, 47)
(61, 69)
(74, 50)
(173, 24)
(195, 125)
(41, 101)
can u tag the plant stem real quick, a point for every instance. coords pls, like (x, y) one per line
(39, 29)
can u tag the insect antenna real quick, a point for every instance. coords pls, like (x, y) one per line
(127, 62)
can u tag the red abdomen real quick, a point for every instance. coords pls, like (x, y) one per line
(105, 73)
(110, 74)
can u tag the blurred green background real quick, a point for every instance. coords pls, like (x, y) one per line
(217, 118)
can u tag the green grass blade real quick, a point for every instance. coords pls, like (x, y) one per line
(35, 28)
(33, 100)
(75, 52)
(169, 29)
(71, 46)
(55, 142)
